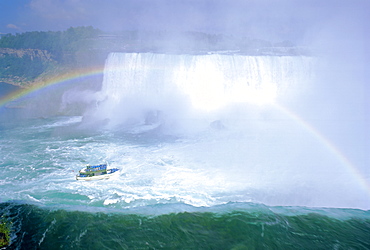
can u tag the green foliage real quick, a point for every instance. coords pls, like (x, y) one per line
(23, 67)
(4, 233)
(57, 43)
(63, 46)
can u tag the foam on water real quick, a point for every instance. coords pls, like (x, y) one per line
(240, 163)
(173, 147)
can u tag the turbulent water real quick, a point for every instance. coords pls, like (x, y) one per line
(204, 164)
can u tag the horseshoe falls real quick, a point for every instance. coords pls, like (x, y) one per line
(199, 82)
(214, 152)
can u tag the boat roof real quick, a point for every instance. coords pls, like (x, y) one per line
(95, 167)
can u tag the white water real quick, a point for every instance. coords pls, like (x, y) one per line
(184, 129)
(137, 83)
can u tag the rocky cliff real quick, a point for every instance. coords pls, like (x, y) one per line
(43, 55)
(22, 66)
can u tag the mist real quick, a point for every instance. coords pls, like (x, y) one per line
(332, 32)
(247, 140)
(266, 19)
(336, 103)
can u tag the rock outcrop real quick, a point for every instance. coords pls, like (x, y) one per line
(31, 53)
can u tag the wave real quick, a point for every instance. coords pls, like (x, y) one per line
(230, 226)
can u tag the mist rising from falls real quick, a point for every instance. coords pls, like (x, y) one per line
(181, 86)
(220, 109)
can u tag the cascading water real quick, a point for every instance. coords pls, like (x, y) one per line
(194, 133)
(174, 84)
(200, 130)
(223, 109)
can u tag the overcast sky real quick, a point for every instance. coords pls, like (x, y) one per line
(265, 19)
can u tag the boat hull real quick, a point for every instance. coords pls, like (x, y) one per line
(111, 172)
(99, 177)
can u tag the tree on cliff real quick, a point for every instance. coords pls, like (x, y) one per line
(57, 43)
(20, 68)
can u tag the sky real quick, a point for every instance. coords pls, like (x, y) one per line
(274, 20)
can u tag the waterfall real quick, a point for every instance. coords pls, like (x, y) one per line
(137, 82)
(229, 117)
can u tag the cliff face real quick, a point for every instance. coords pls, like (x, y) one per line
(33, 54)
(22, 66)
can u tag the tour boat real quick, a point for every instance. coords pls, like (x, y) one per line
(96, 172)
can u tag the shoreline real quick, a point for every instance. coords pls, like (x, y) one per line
(13, 84)
(6, 89)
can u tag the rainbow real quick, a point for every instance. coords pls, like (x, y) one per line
(64, 78)
(354, 171)
(91, 72)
